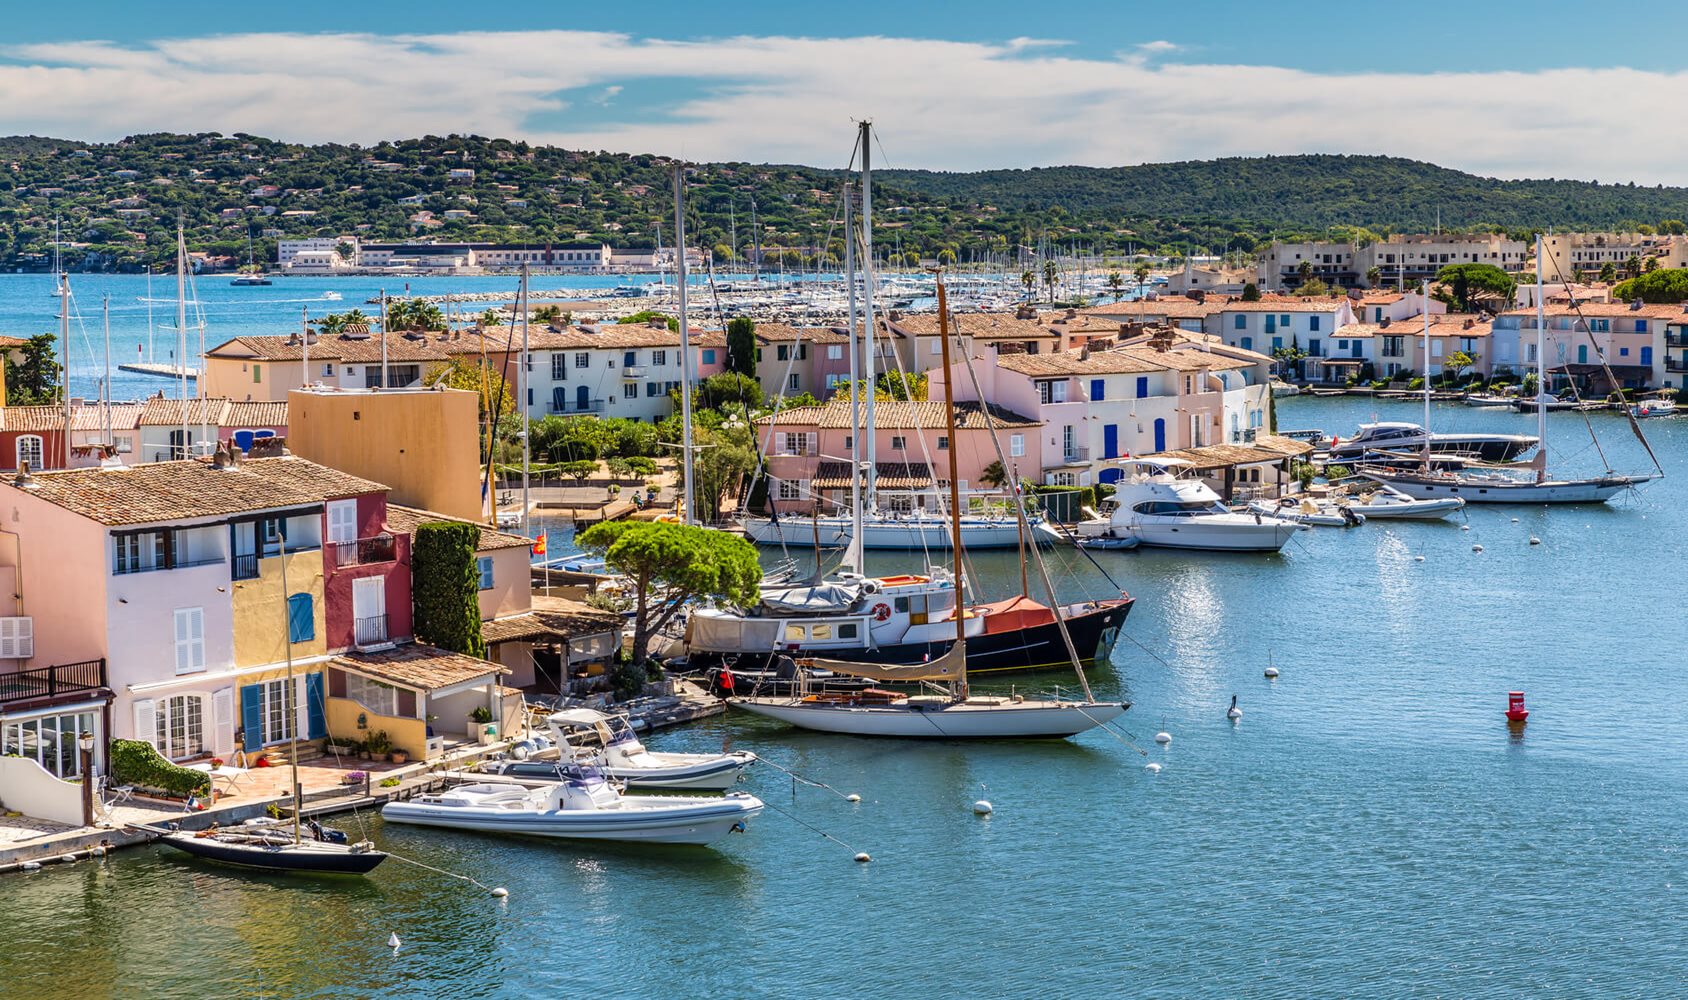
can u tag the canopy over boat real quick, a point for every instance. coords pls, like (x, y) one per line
(949, 667)
(817, 598)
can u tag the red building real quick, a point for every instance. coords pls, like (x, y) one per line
(366, 574)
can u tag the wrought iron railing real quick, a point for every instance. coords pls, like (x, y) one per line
(364, 551)
(47, 682)
(372, 629)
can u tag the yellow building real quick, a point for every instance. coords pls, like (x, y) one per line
(423, 443)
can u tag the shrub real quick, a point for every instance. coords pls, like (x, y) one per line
(446, 589)
(627, 680)
(379, 743)
(134, 762)
(481, 715)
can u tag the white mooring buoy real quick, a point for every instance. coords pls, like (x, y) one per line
(863, 857)
(1465, 527)
(1534, 540)
(852, 797)
(1272, 672)
(1476, 548)
(1418, 558)
(1152, 767)
(500, 892)
(393, 941)
(1163, 737)
(1234, 713)
(982, 808)
(1515, 520)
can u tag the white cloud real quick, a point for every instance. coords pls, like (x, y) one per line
(941, 104)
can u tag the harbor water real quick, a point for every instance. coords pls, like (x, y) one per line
(1370, 827)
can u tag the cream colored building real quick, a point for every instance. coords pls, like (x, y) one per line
(1570, 255)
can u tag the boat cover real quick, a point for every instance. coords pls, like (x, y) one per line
(731, 634)
(819, 598)
(948, 667)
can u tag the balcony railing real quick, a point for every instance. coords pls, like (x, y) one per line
(363, 551)
(575, 406)
(244, 566)
(1676, 364)
(633, 371)
(49, 682)
(370, 631)
(1676, 340)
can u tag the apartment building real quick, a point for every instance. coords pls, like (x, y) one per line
(1274, 322)
(792, 360)
(1401, 260)
(267, 368)
(1399, 347)
(612, 370)
(1582, 256)
(1631, 336)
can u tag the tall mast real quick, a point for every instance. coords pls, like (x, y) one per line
(1424, 294)
(149, 313)
(853, 556)
(954, 489)
(869, 331)
(1541, 370)
(291, 689)
(106, 382)
(182, 328)
(64, 350)
(384, 383)
(686, 463)
(304, 346)
(521, 400)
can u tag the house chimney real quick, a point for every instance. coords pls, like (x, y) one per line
(1383, 324)
(220, 459)
(1469, 322)
(23, 480)
(1072, 314)
(895, 315)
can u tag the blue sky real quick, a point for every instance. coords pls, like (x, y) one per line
(1549, 89)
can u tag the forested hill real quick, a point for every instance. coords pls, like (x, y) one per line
(1308, 192)
(118, 203)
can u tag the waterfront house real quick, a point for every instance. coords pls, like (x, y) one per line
(808, 449)
(1197, 313)
(791, 360)
(162, 423)
(35, 434)
(1149, 394)
(1630, 335)
(920, 347)
(267, 368)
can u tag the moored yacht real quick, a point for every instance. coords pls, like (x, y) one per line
(1158, 505)
(1402, 436)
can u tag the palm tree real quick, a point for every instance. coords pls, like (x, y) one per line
(1050, 273)
(1116, 284)
(1305, 271)
(1373, 276)
(1028, 279)
(1141, 272)
(492, 317)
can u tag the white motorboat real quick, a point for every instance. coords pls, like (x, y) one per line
(1483, 399)
(1388, 502)
(583, 805)
(1158, 505)
(1401, 436)
(1653, 406)
(1281, 388)
(1322, 513)
(608, 743)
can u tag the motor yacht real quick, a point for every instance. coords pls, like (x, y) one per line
(1406, 437)
(1161, 504)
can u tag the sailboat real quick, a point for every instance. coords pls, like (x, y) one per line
(953, 713)
(1504, 485)
(254, 275)
(270, 848)
(877, 528)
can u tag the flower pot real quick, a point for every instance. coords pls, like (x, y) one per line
(399, 756)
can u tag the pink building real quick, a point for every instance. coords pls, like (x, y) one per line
(808, 451)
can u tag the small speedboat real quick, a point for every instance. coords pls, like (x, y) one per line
(1488, 399)
(325, 852)
(1387, 502)
(1654, 406)
(1319, 513)
(583, 805)
(613, 747)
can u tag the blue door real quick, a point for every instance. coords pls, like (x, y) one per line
(582, 398)
(1248, 343)
(1160, 434)
(1647, 356)
(1098, 389)
(1142, 386)
(1110, 441)
(252, 716)
(316, 724)
(559, 399)
(1356, 352)
(1271, 322)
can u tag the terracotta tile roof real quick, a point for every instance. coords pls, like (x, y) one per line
(1283, 304)
(1648, 310)
(405, 520)
(1171, 306)
(161, 412)
(88, 417)
(775, 333)
(414, 665)
(979, 326)
(901, 415)
(256, 414)
(891, 476)
(347, 350)
(6, 343)
(176, 491)
(551, 617)
(1218, 456)
(1131, 360)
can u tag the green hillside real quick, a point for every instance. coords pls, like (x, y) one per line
(118, 202)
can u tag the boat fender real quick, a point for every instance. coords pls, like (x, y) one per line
(870, 587)
(519, 751)
(863, 857)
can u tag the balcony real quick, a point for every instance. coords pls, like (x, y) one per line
(633, 371)
(570, 406)
(244, 566)
(363, 551)
(370, 631)
(1676, 339)
(1070, 456)
(65, 680)
(1676, 364)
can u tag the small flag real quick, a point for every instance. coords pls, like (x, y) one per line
(539, 544)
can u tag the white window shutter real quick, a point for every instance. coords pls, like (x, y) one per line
(17, 638)
(146, 723)
(814, 445)
(222, 722)
(301, 707)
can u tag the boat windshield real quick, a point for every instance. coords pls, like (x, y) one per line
(1179, 508)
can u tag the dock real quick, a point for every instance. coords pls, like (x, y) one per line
(159, 370)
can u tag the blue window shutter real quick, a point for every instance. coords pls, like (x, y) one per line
(1312, 323)
(1247, 343)
(1142, 386)
(1097, 389)
(484, 564)
(300, 624)
(315, 708)
(252, 715)
(1242, 322)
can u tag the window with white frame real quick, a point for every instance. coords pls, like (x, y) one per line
(793, 382)
(937, 345)
(559, 367)
(327, 371)
(48, 740)
(179, 726)
(278, 705)
(582, 359)
(31, 450)
(898, 442)
(1016, 445)
(799, 443)
(483, 568)
(943, 442)
(190, 640)
(630, 390)
(835, 352)
(659, 358)
(793, 489)
(382, 699)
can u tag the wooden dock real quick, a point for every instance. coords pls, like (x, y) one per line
(159, 370)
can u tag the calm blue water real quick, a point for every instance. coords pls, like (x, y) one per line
(1370, 828)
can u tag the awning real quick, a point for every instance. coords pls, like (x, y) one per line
(891, 476)
(419, 667)
(552, 619)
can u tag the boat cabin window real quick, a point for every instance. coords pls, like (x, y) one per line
(847, 630)
(1176, 508)
(794, 633)
(921, 608)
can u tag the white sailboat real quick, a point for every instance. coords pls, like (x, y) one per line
(953, 713)
(1497, 485)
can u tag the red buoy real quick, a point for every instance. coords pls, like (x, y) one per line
(1515, 710)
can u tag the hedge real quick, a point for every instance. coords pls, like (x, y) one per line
(134, 762)
(445, 587)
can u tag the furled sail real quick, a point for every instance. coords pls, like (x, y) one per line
(952, 666)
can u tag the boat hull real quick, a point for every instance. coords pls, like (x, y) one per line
(1566, 491)
(1270, 535)
(1493, 448)
(309, 858)
(1038, 647)
(698, 825)
(1001, 719)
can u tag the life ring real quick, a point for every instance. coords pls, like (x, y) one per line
(882, 612)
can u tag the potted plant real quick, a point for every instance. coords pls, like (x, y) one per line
(378, 745)
(399, 756)
(353, 778)
(341, 747)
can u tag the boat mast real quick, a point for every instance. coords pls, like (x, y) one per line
(106, 383)
(869, 338)
(64, 349)
(954, 489)
(384, 383)
(521, 400)
(304, 346)
(1424, 294)
(1541, 371)
(182, 328)
(854, 558)
(686, 463)
(287, 644)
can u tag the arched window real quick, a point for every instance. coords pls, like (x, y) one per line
(31, 450)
